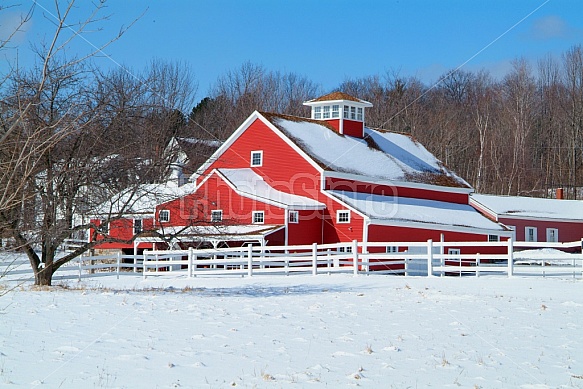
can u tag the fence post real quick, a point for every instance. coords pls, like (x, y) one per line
(365, 259)
(429, 258)
(80, 267)
(249, 260)
(144, 265)
(582, 256)
(118, 261)
(190, 254)
(510, 258)
(406, 264)
(135, 261)
(478, 265)
(314, 259)
(355, 256)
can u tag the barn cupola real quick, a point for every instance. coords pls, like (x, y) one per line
(343, 112)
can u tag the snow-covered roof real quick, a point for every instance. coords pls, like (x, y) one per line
(223, 232)
(404, 209)
(529, 207)
(249, 184)
(380, 155)
(142, 199)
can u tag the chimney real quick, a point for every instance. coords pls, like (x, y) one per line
(559, 194)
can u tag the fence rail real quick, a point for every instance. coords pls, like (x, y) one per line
(413, 258)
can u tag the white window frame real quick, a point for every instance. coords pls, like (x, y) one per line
(392, 249)
(340, 219)
(139, 227)
(335, 111)
(317, 112)
(359, 114)
(352, 113)
(527, 234)
(344, 249)
(166, 218)
(255, 217)
(293, 217)
(493, 238)
(214, 213)
(255, 153)
(326, 112)
(554, 232)
(346, 112)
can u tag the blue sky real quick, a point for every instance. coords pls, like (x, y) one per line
(326, 41)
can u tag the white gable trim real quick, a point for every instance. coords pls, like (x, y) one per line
(226, 145)
(345, 205)
(380, 181)
(242, 128)
(482, 208)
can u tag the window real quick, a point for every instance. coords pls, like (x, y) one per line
(530, 234)
(359, 114)
(392, 249)
(103, 226)
(353, 113)
(345, 249)
(346, 108)
(493, 238)
(258, 217)
(335, 111)
(164, 216)
(256, 158)
(216, 215)
(552, 235)
(326, 114)
(317, 112)
(454, 251)
(137, 226)
(343, 217)
(294, 217)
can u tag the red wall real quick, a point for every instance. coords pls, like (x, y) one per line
(283, 168)
(378, 233)
(353, 128)
(390, 190)
(215, 194)
(122, 229)
(568, 231)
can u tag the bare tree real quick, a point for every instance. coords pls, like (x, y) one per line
(51, 148)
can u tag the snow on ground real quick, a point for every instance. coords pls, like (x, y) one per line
(293, 332)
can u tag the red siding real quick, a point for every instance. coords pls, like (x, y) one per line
(391, 190)
(308, 230)
(353, 128)
(404, 234)
(283, 168)
(334, 123)
(568, 231)
(215, 194)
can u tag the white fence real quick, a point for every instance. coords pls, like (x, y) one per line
(413, 258)
(357, 258)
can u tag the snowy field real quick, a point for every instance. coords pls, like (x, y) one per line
(294, 332)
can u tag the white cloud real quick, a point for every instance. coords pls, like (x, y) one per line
(550, 27)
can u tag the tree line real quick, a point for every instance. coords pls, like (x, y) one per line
(517, 135)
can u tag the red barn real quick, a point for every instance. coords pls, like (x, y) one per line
(534, 219)
(326, 179)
